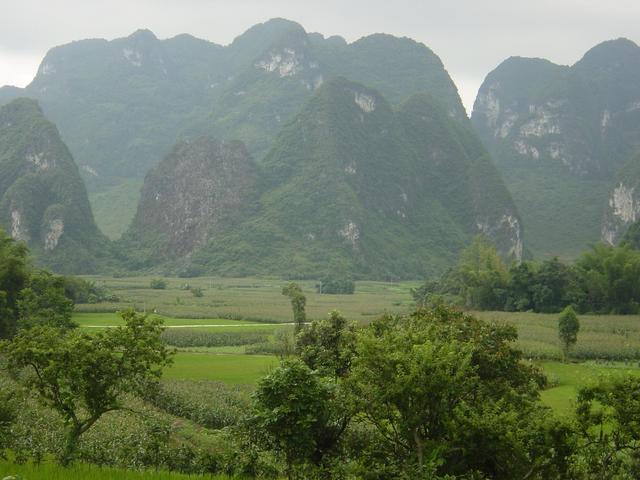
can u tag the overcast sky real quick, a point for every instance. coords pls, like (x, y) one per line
(471, 36)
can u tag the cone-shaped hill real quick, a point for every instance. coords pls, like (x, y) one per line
(43, 200)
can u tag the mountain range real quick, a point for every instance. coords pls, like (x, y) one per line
(121, 105)
(286, 152)
(561, 137)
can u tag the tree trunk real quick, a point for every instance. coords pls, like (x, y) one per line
(71, 445)
(419, 452)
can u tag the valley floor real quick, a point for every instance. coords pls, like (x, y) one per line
(225, 337)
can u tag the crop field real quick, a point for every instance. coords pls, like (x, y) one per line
(601, 337)
(248, 298)
(567, 378)
(228, 368)
(213, 333)
(51, 471)
(99, 320)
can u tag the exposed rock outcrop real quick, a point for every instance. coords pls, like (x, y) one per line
(191, 194)
(560, 135)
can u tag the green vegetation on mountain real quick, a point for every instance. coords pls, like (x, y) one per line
(350, 182)
(43, 200)
(121, 105)
(560, 137)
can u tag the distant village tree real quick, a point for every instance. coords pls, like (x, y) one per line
(568, 328)
(298, 302)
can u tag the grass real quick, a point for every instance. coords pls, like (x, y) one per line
(51, 471)
(569, 377)
(232, 368)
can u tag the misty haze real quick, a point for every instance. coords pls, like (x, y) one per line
(276, 240)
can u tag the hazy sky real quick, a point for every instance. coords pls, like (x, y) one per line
(471, 36)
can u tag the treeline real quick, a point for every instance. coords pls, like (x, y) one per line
(605, 279)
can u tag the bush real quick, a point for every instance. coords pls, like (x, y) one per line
(336, 286)
(197, 292)
(158, 284)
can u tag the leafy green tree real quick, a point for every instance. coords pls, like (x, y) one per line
(451, 396)
(13, 278)
(550, 287)
(568, 328)
(608, 417)
(8, 409)
(483, 275)
(610, 279)
(83, 376)
(519, 289)
(43, 302)
(328, 345)
(298, 303)
(299, 414)
(336, 285)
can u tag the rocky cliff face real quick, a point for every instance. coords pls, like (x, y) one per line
(560, 135)
(43, 201)
(623, 207)
(198, 188)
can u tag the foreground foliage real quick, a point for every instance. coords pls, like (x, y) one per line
(84, 376)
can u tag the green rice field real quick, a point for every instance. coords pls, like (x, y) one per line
(228, 368)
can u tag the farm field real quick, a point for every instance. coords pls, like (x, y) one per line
(228, 368)
(601, 337)
(567, 378)
(248, 298)
(51, 471)
(234, 314)
(97, 320)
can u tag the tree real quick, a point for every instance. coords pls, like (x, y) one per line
(298, 302)
(483, 275)
(551, 283)
(451, 396)
(568, 328)
(299, 414)
(13, 278)
(43, 302)
(328, 345)
(83, 376)
(336, 285)
(8, 409)
(608, 417)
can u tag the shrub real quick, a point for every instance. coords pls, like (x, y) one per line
(158, 284)
(336, 286)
